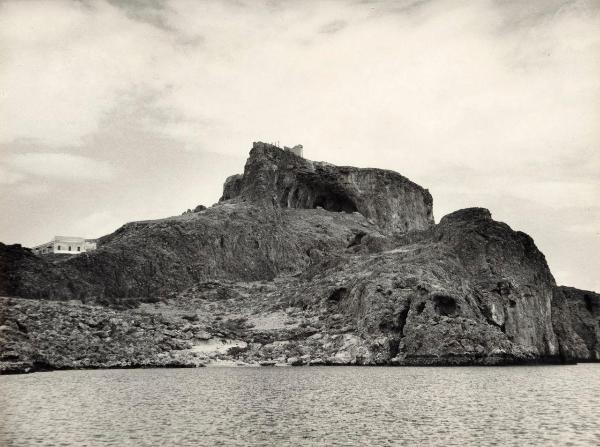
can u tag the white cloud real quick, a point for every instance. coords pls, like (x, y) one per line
(8, 177)
(60, 166)
(31, 189)
(435, 80)
(590, 228)
(68, 64)
(557, 194)
(95, 224)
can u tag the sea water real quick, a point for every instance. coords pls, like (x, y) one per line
(304, 406)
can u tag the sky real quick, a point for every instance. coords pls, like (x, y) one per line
(115, 111)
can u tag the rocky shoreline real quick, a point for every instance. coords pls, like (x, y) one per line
(301, 263)
(38, 335)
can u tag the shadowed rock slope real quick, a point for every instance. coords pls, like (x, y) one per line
(145, 260)
(301, 263)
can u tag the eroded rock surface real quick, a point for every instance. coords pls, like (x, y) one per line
(277, 177)
(576, 319)
(264, 278)
(145, 260)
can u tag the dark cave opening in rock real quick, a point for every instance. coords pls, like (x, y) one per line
(445, 305)
(334, 202)
(338, 294)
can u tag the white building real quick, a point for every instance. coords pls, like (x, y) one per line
(65, 245)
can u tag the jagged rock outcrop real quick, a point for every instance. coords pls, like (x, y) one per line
(277, 177)
(266, 281)
(232, 187)
(470, 290)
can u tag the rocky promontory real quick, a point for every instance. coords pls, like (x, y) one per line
(281, 178)
(300, 263)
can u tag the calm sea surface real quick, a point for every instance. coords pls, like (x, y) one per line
(553, 405)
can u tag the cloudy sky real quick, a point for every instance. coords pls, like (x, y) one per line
(113, 111)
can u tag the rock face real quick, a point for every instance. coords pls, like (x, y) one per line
(468, 291)
(576, 319)
(265, 278)
(277, 177)
(24, 274)
(147, 260)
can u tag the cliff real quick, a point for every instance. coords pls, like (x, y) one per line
(280, 178)
(300, 263)
(576, 320)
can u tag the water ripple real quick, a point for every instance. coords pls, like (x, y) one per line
(520, 406)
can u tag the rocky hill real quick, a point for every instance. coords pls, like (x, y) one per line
(281, 178)
(299, 263)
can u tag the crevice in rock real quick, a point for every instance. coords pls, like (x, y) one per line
(396, 322)
(402, 316)
(357, 239)
(285, 197)
(445, 305)
(394, 346)
(22, 328)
